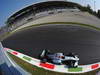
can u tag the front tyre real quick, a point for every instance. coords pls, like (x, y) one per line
(71, 64)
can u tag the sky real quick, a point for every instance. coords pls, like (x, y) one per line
(8, 7)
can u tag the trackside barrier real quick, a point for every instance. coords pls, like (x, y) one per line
(52, 67)
(8, 66)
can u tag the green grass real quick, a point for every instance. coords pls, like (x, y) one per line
(75, 69)
(40, 71)
(4, 36)
(76, 23)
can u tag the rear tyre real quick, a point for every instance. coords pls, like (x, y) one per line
(44, 60)
(72, 64)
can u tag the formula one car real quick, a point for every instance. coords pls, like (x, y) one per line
(71, 60)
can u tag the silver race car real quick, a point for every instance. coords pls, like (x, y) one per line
(71, 60)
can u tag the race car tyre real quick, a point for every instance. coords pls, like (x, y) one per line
(44, 60)
(72, 64)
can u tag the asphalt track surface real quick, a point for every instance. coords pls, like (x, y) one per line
(57, 38)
